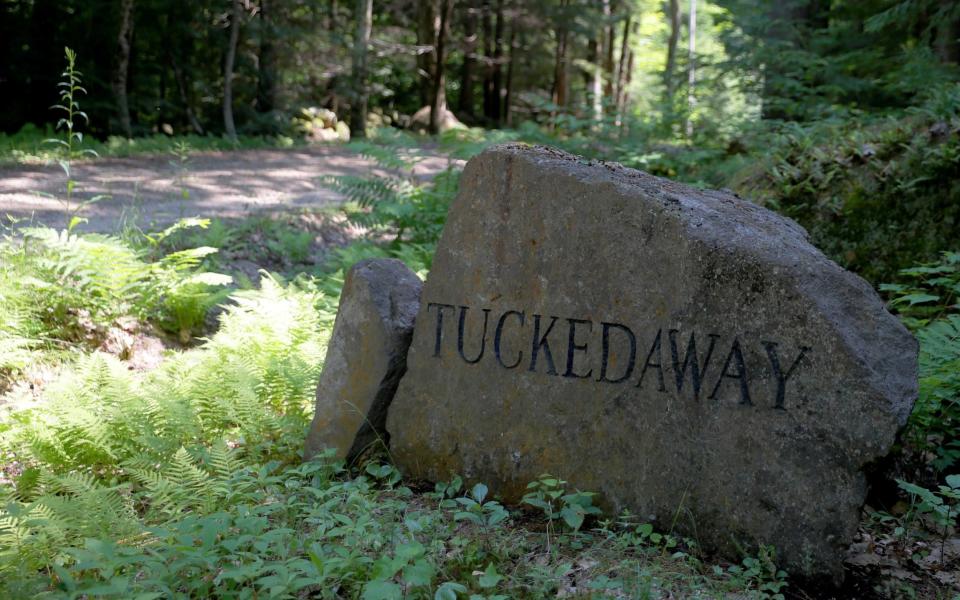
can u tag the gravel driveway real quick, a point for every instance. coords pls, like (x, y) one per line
(147, 190)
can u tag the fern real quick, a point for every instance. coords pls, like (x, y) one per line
(910, 12)
(465, 143)
(398, 204)
(56, 286)
(387, 156)
(69, 506)
(110, 454)
(390, 149)
(369, 190)
(936, 416)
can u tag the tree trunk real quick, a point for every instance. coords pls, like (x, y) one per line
(692, 67)
(487, 24)
(228, 125)
(439, 97)
(559, 95)
(946, 43)
(179, 50)
(609, 43)
(184, 94)
(332, 16)
(267, 68)
(124, 37)
(466, 100)
(426, 36)
(161, 101)
(497, 88)
(509, 90)
(358, 108)
(622, 69)
(594, 78)
(786, 25)
(669, 73)
(624, 123)
(817, 14)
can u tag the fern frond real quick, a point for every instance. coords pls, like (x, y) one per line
(368, 190)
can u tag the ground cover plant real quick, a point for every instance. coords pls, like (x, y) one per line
(186, 481)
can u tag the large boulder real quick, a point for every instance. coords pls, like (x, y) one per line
(366, 357)
(420, 121)
(686, 354)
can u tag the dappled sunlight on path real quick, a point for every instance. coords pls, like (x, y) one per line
(148, 190)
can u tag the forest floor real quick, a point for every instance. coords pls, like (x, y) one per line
(152, 191)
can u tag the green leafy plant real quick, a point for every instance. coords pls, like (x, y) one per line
(387, 474)
(291, 245)
(549, 495)
(873, 191)
(927, 292)
(73, 287)
(643, 534)
(474, 508)
(72, 142)
(396, 200)
(935, 421)
(180, 163)
(759, 574)
(940, 505)
(926, 299)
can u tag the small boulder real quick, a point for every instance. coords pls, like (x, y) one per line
(366, 357)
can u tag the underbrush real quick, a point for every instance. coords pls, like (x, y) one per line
(928, 301)
(60, 290)
(111, 453)
(876, 194)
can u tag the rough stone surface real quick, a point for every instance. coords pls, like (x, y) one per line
(761, 381)
(366, 357)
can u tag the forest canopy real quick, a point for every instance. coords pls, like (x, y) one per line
(679, 67)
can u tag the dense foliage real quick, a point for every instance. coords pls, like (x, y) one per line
(161, 65)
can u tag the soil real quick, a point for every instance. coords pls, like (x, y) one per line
(148, 191)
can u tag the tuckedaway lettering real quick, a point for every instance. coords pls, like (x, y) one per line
(694, 364)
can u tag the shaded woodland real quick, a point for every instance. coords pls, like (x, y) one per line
(684, 68)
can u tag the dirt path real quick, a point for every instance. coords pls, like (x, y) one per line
(147, 190)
